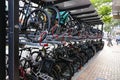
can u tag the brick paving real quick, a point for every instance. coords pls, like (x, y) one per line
(105, 65)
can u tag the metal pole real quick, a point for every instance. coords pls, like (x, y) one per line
(2, 39)
(13, 39)
(102, 29)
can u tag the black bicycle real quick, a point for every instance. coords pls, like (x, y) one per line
(34, 22)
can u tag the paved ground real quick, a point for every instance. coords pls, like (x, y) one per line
(103, 66)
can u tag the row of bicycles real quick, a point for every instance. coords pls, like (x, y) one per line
(39, 21)
(44, 21)
(56, 61)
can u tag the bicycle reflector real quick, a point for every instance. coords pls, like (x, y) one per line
(44, 44)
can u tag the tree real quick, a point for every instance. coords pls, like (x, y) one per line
(104, 9)
(115, 22)
(97, 3)
(107, 28)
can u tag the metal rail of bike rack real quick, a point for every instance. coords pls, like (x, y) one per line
(51, 39)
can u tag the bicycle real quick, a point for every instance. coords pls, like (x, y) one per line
(35, 24)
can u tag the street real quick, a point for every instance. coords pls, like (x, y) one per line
(105, 65)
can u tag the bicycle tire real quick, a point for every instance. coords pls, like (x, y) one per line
(63, 67)
(39, 25)
(55, 16)
(54, 74)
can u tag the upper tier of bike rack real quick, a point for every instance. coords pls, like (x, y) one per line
(82, 10)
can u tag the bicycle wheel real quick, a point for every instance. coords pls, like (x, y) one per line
(54, 74)
(66, 24)
(37, 25)
(24, 71)
(64, 69)
(55, 19)
(76, 63)
(29, 77)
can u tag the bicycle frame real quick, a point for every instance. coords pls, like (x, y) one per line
(24, 14)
